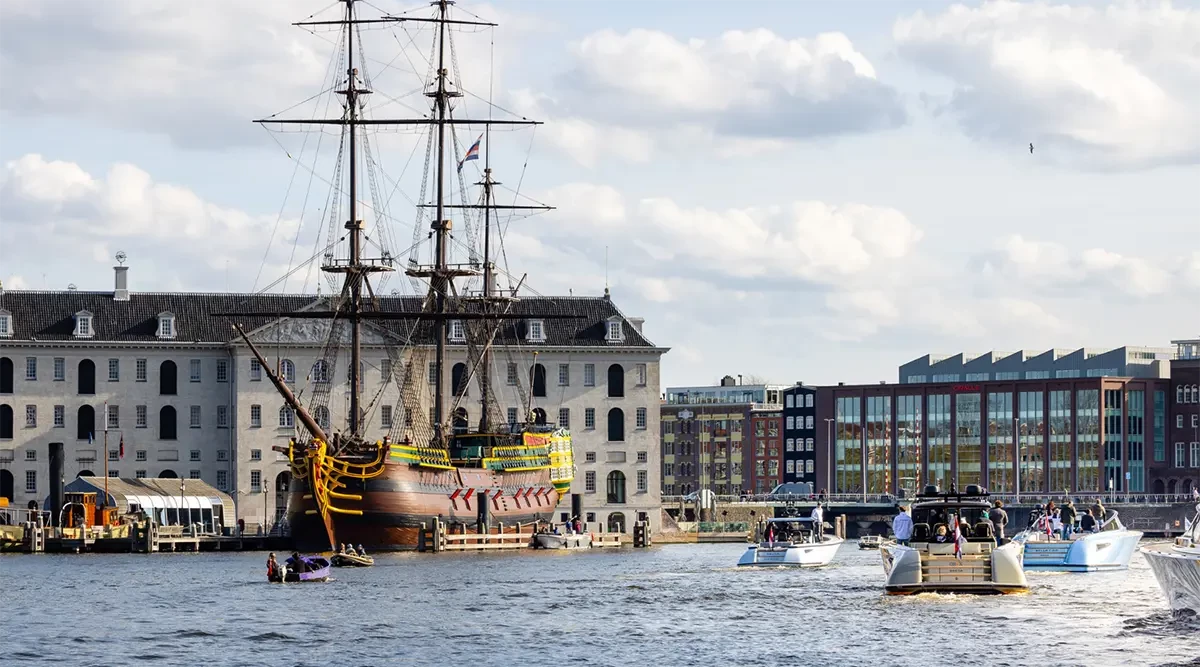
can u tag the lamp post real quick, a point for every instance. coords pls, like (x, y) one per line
(829, 452)
(181, 506)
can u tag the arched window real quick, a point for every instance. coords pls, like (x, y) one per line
(458, 378)
(616, 381)
(616, 425)
(616, 487)
(168, 474)
(166, 423)
(6, 375)
(168, 376)
(6, 422)
(320, 371)
(287, 418)
(539, 416)
(1196, 393)
(287, 371)
(1179, 394)
(1159, 487)
(86, 473)
(7, 487)
(460, 420)
(86, 422)
(321, 414)
(87, 377)
(537, 378)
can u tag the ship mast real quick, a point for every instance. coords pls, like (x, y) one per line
(354, 275)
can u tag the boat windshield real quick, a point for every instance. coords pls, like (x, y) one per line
(940, 514)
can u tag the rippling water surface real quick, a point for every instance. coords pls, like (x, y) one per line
(670, 605)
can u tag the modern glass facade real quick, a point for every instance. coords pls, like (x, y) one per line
(879, 444)
(968, 427)
(848, 460)
(1113, 431)
(1060, 440)
(1135, 439)
(1087, 440)
(1031, 429)
(909, 433)
(1000, 452)
(938, 439)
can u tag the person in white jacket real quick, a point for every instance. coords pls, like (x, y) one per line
(818, 518)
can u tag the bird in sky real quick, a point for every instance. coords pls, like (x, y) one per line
(1031, 149)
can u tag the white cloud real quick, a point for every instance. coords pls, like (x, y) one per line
(1098, 87)
(169, 232)
(1051, 267)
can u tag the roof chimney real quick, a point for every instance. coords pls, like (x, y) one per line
(121, 288)
(636, 322)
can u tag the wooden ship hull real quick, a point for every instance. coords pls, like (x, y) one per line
(396, 504)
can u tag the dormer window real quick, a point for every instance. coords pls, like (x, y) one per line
(615, 333)
(166, 325)
(83, 324)
(458, 332)
(6, 326)
(537, 331)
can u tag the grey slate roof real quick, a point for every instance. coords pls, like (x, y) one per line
(50, 316)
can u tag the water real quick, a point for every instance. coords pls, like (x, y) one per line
(671, 605)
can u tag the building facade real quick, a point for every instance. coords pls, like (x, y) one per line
(168, 378)
(1028, 436)
(725, 438)
(1056, 364)
(1181, 470)
(800, 434)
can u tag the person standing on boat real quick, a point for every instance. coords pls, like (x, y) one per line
(902, 526)
(999, 519)
(1068, 520)
(1099, 512)
(818, 518)
(273, 569)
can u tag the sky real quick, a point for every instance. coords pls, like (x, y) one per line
(797, 191)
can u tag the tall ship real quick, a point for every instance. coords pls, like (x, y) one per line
(436, 462)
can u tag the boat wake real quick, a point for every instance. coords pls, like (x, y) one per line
(1164, 624)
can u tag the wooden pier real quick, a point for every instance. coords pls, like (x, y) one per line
(440, 537)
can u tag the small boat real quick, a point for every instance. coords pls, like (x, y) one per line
(351, 560)
(1109, 549)
(1176, 566)
(935, 561)
(791, 542)
(317, 570)
(558, 541)
(870, 542)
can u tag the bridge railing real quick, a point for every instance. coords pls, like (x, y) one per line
(888, 499)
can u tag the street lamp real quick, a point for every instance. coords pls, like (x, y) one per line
(180, 512)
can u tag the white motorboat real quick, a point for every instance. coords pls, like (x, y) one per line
(562, 541)
(1176, 566)
(936, 560)
(1109, 549)
(791, 542)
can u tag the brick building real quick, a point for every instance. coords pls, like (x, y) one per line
(799, 434)
(1180, 472)
(726, 438)
(1079, 434)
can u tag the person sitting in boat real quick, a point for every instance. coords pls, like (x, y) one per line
(296, 564)
(1088, 523)
(578, 526)
(342, 548)
(361, 550)
(940, 535)
(350, 550)
(273, 573)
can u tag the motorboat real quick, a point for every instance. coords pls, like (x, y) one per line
(869, 542)
(953, 549)
(342, 559)
(1110, 548)
(562, 541)
(315, 568)
(1176, 566)
(791, 542)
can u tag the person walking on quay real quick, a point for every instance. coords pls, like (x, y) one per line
(999, 520)
(902, 526)
(1068, 520)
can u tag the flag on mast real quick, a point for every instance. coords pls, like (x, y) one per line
(472, 153)
(958, 538)
(121, 448)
